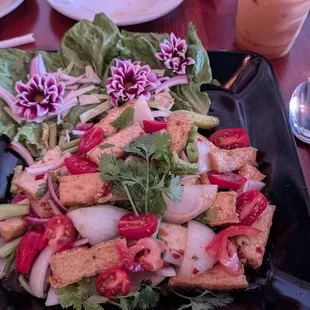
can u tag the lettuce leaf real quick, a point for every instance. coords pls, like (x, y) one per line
(91, 44)
(97, 44)
(34, 136)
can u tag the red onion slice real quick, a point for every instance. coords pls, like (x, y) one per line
(53, 193)
(35, 220)
(22, 151)
(49, 167)
(176, 80)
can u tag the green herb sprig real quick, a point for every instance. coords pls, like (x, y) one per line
(146, 177)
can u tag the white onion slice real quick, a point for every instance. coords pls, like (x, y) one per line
(195, 257)
(88, 99)
(22, 151)
(38, 271)
(78, 132)
(98, 223)
(52, 298)
(161, 113)
(195, 200)
(173, 257)
(25, 39)
(80, 242)
(166, 272)
(203, 157)
(49, 167)
(142, 111)
(250, 185)
(84, 90)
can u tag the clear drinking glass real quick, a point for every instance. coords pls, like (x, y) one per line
(269, 27)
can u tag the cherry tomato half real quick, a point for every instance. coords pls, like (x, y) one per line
(113, 282)
(250, 205)
(230, 138)
(134, 228)
(226, 180)
(225, 250)
(153, 126)
(91, 138)
(59, 233)
(79, 165)
(27, 250)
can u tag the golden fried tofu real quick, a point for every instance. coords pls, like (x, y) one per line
(230, 160)
(253, 251)
(81, 189)
(223, 210)
(251, 173)
(119, 140)
(178, 127)
(113, 114)
(72, 265)
(214, 279)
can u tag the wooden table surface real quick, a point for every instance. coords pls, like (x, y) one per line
(215, 20)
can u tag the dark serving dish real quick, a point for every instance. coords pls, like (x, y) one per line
(250, 98)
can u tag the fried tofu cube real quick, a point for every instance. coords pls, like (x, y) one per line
(251, 173)
(27, 183)
(80, 189)
(253, 251)
(12, 228)
(105, 123)
(230, 160)
(178, 127)
(72, 265)
(223, 210)
(214, 279)
(174, 236)
(119, 140)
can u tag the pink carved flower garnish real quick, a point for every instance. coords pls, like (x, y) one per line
(41, 97)
(129, 81)
(173, 54)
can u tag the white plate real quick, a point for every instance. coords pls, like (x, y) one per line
(7, 6)
(121, 12)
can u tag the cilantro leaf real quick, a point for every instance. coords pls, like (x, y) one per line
(124, 120)
(148, 297)
(42, 189)
(148, 145)
(144, 176)
(205, 301)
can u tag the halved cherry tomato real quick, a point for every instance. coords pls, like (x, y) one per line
(134, 228)
(153, 126)
(27, 250)
(113, 282)
(225, 251)
(91, 138)
(79, 165)
(250, 205)
(230, 138)
(145, 255)
(226, 180)
(59, 233)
